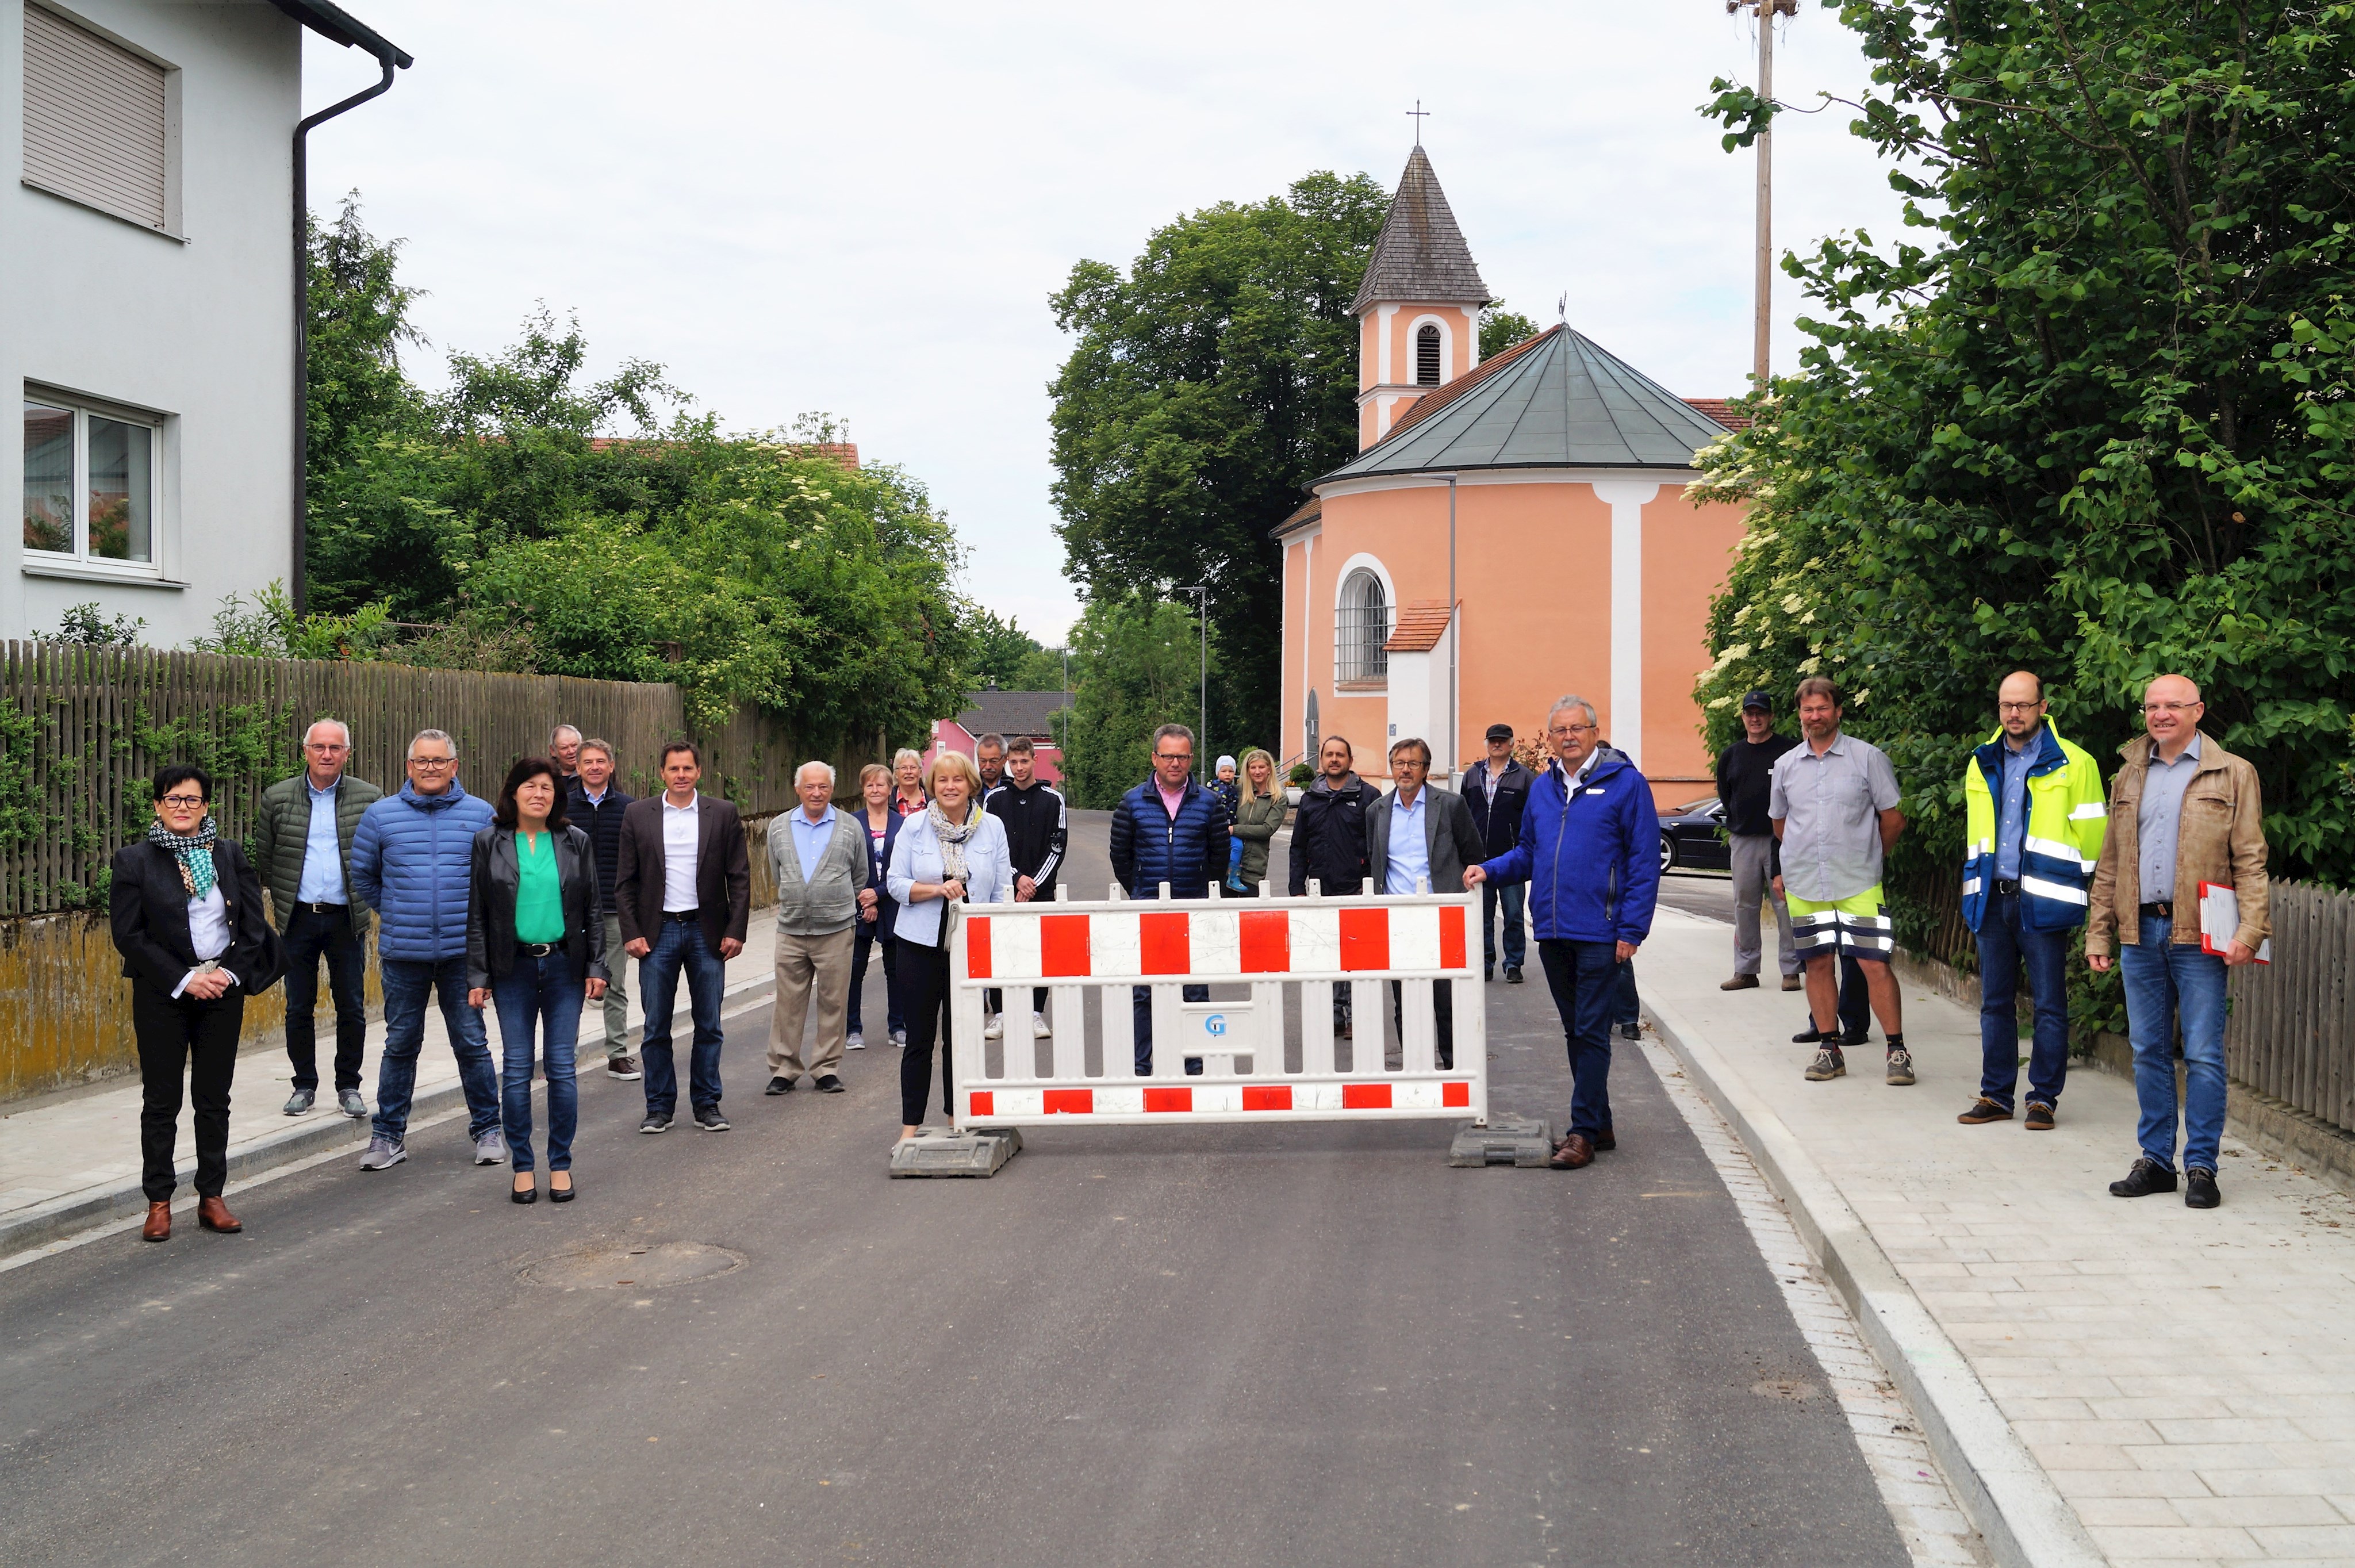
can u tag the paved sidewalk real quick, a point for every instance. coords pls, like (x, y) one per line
(2166, 1386)
(69, 1161)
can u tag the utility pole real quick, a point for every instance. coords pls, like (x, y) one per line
(1202, 730)
(1764, 286)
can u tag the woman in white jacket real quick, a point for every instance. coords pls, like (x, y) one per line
(951, 851)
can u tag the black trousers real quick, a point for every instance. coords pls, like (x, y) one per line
(310, 937)
(1443, 1007)
(177, 1036)
(924, 987)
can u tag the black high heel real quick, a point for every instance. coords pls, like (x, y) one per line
(524, 1194)
(563, 1194)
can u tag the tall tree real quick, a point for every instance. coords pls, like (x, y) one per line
(1209, 383)
(1136, 660)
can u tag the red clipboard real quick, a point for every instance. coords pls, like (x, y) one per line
(2220, 920)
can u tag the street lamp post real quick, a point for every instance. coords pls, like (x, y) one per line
(1202, 730)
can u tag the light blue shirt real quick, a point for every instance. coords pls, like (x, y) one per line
(810, 838)
(1409, 852)
(2011, 810)
(916, 857)
(2159, 818)
(323, 852)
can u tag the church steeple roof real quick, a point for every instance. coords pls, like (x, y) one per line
(1421, 254)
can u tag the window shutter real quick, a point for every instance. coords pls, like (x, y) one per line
(95, 121)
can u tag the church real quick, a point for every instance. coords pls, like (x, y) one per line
(1509, 530)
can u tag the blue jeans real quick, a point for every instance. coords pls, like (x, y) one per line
(867, 941)
(548, 993)
(2162, 980)
(310, 937)
(1584, 979)
(1517, 946)
(1626, 1007)
(679, 945)
(408, 983)
(2004, 947)
(1141, 1013)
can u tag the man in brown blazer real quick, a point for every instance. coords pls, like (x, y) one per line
(683, 894)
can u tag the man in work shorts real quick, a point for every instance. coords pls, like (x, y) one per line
(1833, 804)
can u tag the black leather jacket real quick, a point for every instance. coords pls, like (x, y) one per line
(1328, 836)
(491, 905)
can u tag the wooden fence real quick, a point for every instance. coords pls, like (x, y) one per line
(84, 729)
(2291, 1032)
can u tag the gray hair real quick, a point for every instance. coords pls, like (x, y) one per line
(561, 730)
(1572, 699)
(814, 763)
(594, 744)
(441, 735)
(992, 739)
(906, 754)
(1173, 732)
(323, 719)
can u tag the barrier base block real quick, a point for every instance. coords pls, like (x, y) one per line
(1506, 1140)
(940, 1152)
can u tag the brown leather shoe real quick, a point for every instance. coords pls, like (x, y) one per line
(158, 1227)
(1573, 1153)
(1793, 983)
(1741, 983)
(213, 1215)
(1606, 1141)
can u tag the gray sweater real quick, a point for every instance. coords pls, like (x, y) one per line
(828, 901)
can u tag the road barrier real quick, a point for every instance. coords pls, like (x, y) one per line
(1309, 943)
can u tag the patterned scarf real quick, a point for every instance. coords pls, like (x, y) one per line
(953, 838)
(195, 853)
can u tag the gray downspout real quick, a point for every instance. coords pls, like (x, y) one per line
(298, 576)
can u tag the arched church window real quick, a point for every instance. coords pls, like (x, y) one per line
(1361, 628)
(1426, 355)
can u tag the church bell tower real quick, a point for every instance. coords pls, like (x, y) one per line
(1418, 308)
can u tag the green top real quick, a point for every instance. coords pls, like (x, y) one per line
(539, 896)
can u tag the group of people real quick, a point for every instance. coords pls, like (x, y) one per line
(1809, 819)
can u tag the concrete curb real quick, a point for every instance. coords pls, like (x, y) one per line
(62, 1217)
(2017, 1510)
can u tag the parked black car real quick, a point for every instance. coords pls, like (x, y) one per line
(1693, 837)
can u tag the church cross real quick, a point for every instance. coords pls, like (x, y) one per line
(1417, 114)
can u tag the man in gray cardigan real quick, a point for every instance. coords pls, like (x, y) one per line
(818, 857)
(1419, 834)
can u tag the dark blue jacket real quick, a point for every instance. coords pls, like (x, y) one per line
(412, 862)
(1593, 862)
(1149, 847)
(878, 859)
(603, 822)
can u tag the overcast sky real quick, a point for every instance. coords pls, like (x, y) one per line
(862, 210)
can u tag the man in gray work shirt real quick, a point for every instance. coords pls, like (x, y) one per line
(1833, 804)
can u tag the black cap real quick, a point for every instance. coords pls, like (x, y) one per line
(1759, 700)
(1501, 732)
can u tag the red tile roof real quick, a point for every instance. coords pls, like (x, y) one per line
(1721, 410)
(1420, 626)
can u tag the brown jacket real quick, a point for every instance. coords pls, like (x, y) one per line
(2220, 837)
(723, 872)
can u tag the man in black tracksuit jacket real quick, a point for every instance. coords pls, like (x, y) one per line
(1328, 842)
(1037, 832)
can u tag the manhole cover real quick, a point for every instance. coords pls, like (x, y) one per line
(653, 1265)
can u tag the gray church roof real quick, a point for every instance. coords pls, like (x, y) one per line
(1421, 254)
(1555, 400)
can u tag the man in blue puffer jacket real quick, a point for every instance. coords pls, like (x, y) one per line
(1169, 829)
(1590, 850)
(412, 856)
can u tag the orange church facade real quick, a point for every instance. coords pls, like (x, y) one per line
(1511, 531)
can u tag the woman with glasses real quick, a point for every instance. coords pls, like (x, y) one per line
(536, 949)
(951, 852)
(908, 770)
(187, 919)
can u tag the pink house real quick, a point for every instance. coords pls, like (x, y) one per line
(1006, 713)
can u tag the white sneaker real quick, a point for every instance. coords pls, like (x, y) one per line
(856, 1041)
(1039, 1027)
(900, 1037)
(995, 1028)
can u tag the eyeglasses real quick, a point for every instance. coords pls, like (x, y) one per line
(2020, 706)
(1173, 756)
(323, 746)
(1574, 729)
(185, 801)
(2169, 707)
(434, 764)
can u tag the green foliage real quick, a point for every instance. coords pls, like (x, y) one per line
(2097, 421)
(271, 630)
(507, 520)
(1501, 328)
(1005, 656)
(1207, 385)
(1136, 664)
(85, 626)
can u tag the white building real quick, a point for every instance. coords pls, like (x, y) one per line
(148, 301)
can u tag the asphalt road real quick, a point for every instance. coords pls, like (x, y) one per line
(1281, 1345)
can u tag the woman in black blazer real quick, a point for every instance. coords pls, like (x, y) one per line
(196, 943)
(536, 949)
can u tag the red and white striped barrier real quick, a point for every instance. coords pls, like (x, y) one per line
(1312, 944)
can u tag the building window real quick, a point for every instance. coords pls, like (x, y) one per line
(1362, 627)
(1426, 355)
(97, 121)
(90, 484)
